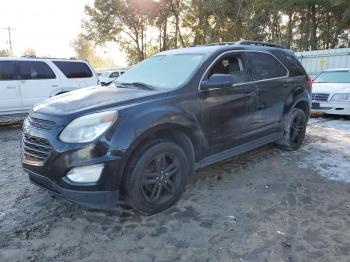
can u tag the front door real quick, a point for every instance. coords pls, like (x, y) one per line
(38, 82)
(10, 93)
(227, 112)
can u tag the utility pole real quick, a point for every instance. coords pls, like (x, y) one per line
(9, 29)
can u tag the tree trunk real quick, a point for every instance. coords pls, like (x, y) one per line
(313, 28)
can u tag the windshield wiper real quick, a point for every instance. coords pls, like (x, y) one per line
(137, 84)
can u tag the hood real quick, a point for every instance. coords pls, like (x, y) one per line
(92, 98)
(331, 88)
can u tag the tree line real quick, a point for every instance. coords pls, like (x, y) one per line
(144, 27)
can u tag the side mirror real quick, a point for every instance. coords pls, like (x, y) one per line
(217, 81)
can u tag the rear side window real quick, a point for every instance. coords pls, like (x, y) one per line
(7, 70)
(74, 69)
(293, 65)
(35, 70)
(265, 66)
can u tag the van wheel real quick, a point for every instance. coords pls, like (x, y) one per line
(157, 178)
(294, 132)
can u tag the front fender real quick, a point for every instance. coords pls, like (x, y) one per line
(134, 125)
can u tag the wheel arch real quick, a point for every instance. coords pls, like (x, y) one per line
(176, 133)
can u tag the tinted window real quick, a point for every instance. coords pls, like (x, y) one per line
(231, 65)
(292, 63)
(30, 70)
(74, 69)
(265, 66)
(7, 70)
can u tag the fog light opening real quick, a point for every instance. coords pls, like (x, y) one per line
(85, 174)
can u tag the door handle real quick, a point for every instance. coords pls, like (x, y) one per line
(54, 86)
(11, 87)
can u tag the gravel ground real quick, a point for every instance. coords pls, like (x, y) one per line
(267, 205)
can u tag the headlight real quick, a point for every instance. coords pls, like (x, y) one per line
(87, 128)
(341, 97)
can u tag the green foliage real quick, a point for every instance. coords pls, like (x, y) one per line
(85, 50)
(143, 27)
(4, 52)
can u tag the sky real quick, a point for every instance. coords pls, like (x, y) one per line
(48, 26)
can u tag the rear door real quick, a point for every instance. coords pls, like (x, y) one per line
(38, 82)
(10, 93)
(227, 112)
(272, 88)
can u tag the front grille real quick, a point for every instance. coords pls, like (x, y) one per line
(40, 123)
(35, 150)
(320, 97)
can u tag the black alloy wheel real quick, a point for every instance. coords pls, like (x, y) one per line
(297, 132)
(294, 130)
(157, 177)
(161, 178)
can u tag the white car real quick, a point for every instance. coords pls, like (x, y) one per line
(107, 77)
(331, 92)
(27, 81)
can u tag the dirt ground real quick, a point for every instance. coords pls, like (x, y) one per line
(267, 205)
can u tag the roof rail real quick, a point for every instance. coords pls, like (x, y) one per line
(44, 57)
(258, 43)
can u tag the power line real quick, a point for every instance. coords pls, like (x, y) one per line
(9, 29)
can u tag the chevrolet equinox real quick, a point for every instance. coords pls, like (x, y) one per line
(171, 114)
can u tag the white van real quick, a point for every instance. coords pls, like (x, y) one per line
(27, 81)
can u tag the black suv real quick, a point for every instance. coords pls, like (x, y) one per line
(171, 114)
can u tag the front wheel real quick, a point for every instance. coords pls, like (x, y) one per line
(294, 132)
(157, 177)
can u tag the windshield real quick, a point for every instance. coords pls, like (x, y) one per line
(163, 72)
(333, 77)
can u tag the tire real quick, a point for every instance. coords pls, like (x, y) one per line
(294, 131)
(157, 177)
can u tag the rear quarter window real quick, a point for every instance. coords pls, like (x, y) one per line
(74, 69)
(292, 63)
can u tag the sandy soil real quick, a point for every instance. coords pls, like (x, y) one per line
(267, 205)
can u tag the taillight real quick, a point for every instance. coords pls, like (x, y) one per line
(309, 82)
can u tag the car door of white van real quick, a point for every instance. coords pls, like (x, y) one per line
(38, 82)
(10, 93)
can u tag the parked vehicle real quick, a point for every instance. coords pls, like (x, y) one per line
(331, 92)
(107, 77)
(171, 114)
(27, 81)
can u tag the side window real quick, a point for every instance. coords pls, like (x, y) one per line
(35, 70)
(114, 75)
(232, 65)
(74, 69)
(294, 66)
(7, 71)
(265, 66)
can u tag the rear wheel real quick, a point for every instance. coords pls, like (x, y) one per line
(294, 132)
(157, 177)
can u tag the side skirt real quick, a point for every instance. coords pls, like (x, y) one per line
(237, 150)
